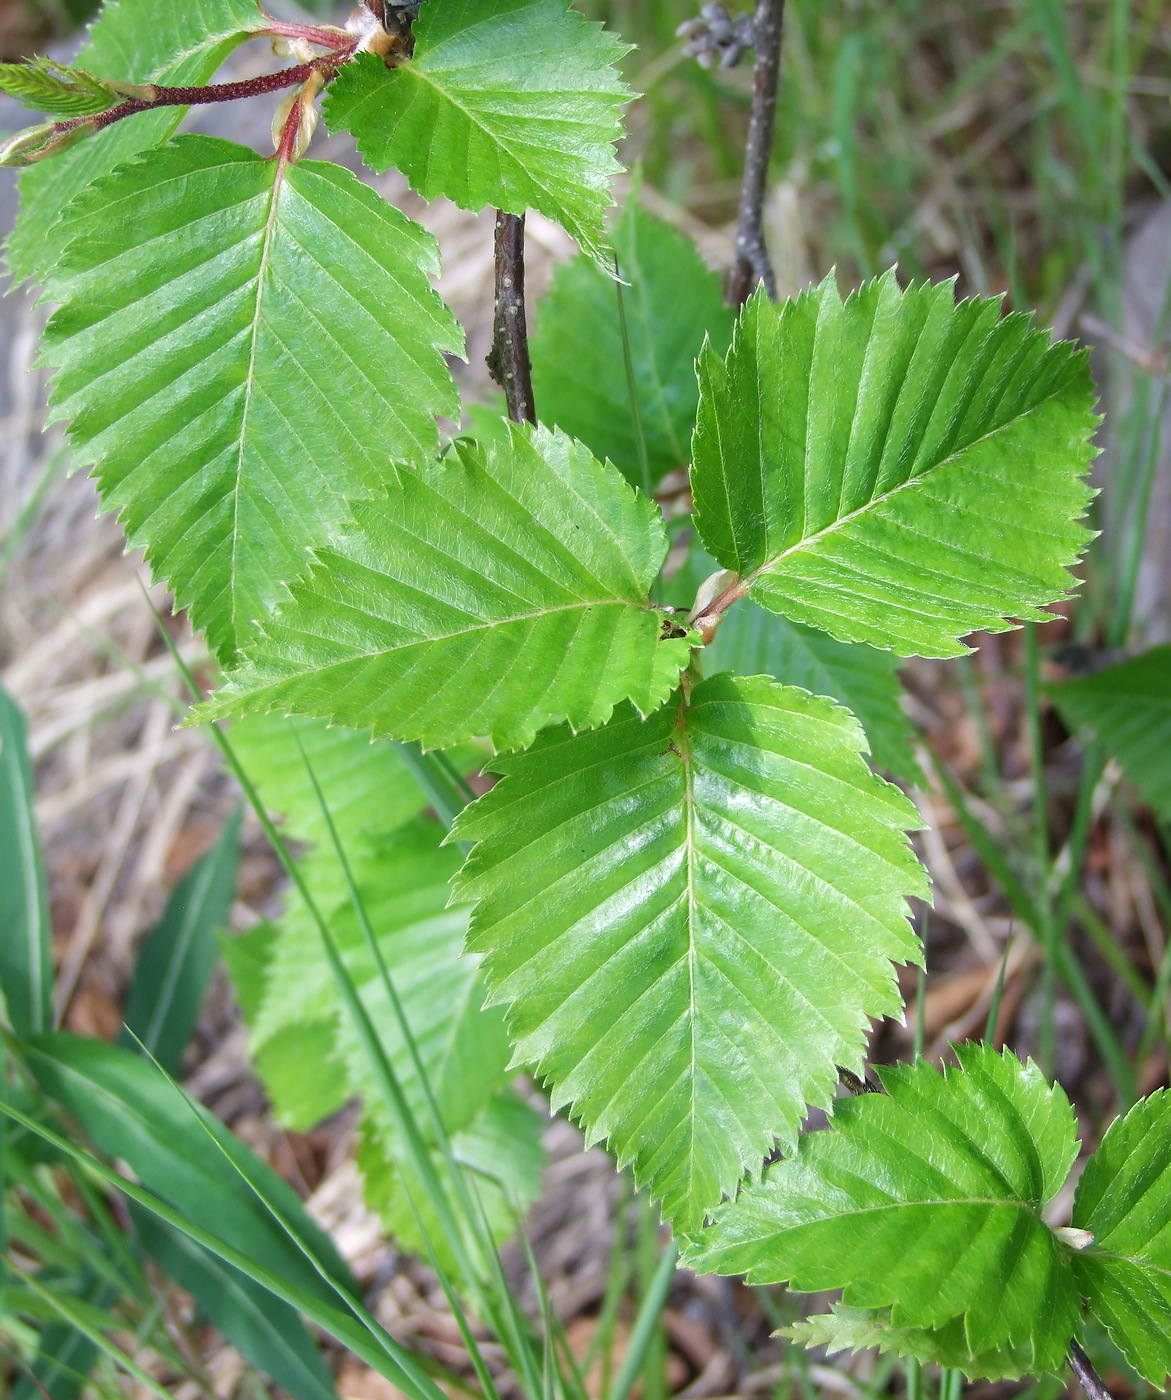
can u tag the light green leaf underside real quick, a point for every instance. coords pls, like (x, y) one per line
(925, 1200)
(510, 103)
(369, 790)
(303, 1044)
(1124, 1200)
(402, 875)
(1129, 708)
(895, 469)
(579, 370)
(465, 1050)
(751, 640)
(241, 348)
(491, 593)
(136, 41)
(691, 919)
(500, 1156)
(859, 1329)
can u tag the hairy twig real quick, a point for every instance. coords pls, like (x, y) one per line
(752, 264)
(326, 66)
(1087, 1377)
(508, 360)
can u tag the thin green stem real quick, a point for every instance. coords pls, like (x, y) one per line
(1048, 934)
(646, 1324)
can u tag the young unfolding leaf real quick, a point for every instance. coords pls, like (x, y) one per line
(752, 641)
(895, 469)
(134, 41)
(1124, 1201)
(926, 1201)
(691, 919)
(1129, 708)
(579, 368)
(26, 933)
(510, 103)
(242, 346)
(45, 86)
(490, 593)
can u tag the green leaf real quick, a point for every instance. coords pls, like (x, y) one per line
(511, 103)
(895, 469)
(304, 1048)
(26, 948)
(691, 919)
(464, 1049)
(176, 961)
(579, 368)
(247, 957)
(241, 347)
(752, 641)
(369, 789)
(490, 593)
(925, 1200)
(301, 1071)
(177, 1149)
(403, 881)
(45, 86)
(1128, 706)
(135, 41)
(858, 1329)
(1124, 1201)
(500, 1154)
(307, 1050)
(263, 1328)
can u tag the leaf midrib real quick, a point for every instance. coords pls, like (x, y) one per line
(250, 379)
(582, 605)
(807, 541)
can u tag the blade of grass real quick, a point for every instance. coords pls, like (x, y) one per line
(26, 960)
(997, 995)
(404, 1028)
(367, 1339)
(1048, 933)
(644, 470)
(646, 1324)
(401, 1115)
(438, 784)
(1066, 965)
(507, 1323)
(82, 1321)
(14, 536)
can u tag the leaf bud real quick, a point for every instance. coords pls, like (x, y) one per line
(39, 142)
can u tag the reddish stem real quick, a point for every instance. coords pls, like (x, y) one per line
(215, 92)
(311, 33)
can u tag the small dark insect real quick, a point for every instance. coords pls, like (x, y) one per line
(397, 21)
(670, 630)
